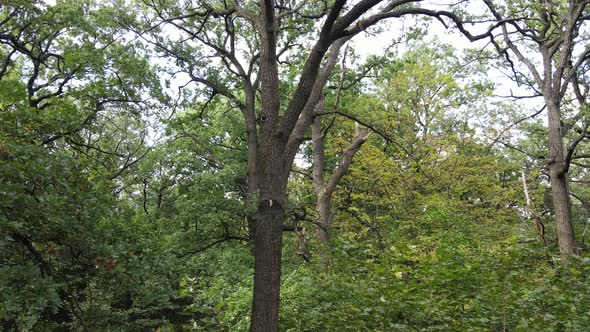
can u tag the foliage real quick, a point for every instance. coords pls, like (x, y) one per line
(115, 216)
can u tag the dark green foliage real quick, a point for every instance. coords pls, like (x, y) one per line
(49, 212)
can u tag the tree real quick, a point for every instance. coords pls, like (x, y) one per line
(254, 44)
(325, 189)
(554, 29)
(347, 98)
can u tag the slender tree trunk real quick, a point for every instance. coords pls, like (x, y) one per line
(536, 217)
(323, 232)
(252, 138)
(323, 200)
(325, 190)
(558, 168)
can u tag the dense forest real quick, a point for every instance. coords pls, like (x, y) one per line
(235, 165)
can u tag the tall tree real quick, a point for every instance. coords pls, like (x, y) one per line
(553, 30)
(245, 51)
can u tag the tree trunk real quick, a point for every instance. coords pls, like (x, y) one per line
(323, 232)
(268, 234)
(267, 267)
(534, 214)
(272, 184)
(558, 168)
(325, 191)
(324, 199)
(252, 138)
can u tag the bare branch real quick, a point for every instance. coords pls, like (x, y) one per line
(226, 238)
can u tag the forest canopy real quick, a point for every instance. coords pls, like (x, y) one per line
(294, 165)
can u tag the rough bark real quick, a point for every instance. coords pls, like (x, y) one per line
(267, 267)
(272, 185)
(558, 167)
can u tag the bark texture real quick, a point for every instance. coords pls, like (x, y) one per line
(558, 167)
(267, 267)
(272, 185)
